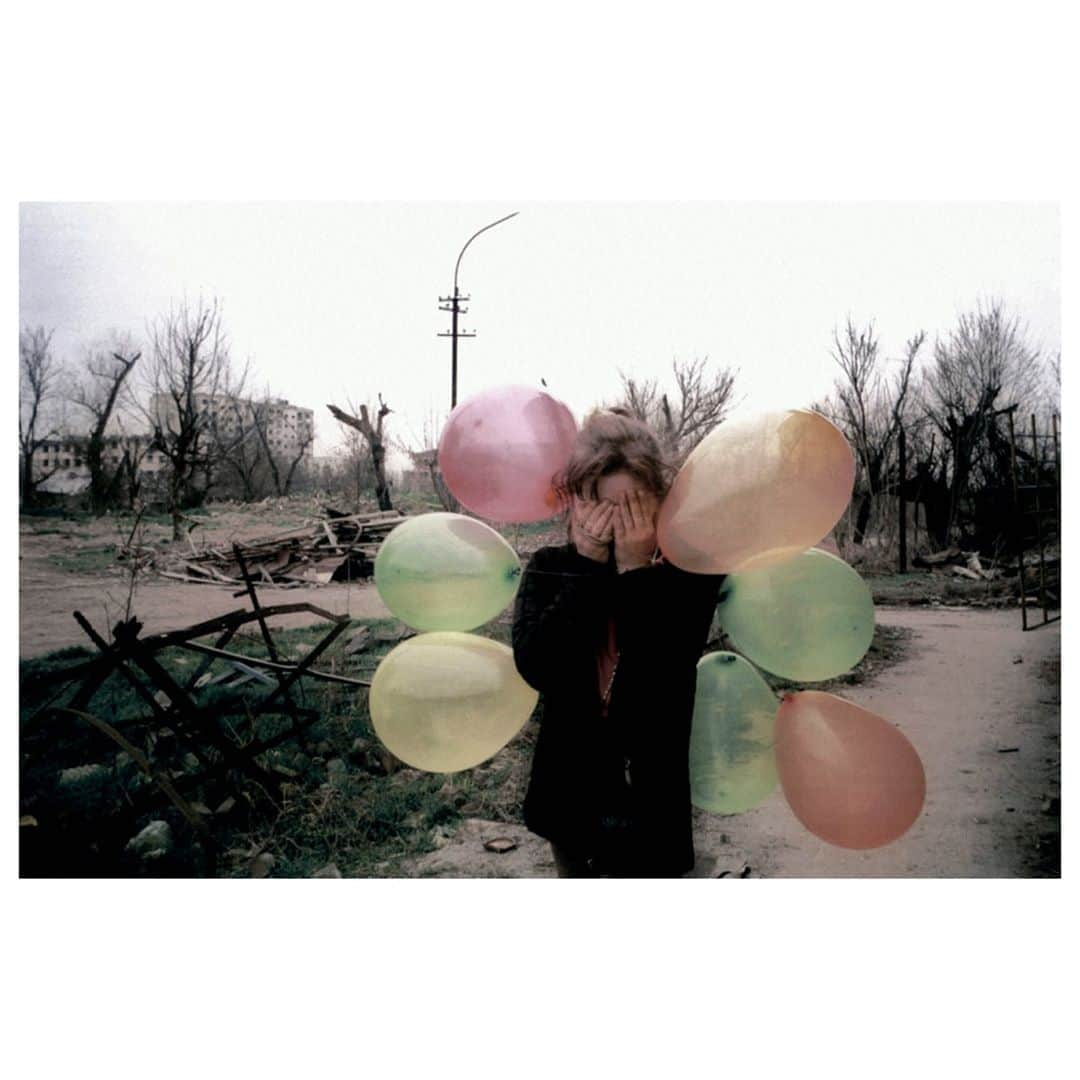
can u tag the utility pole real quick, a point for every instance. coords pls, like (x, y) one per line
(453, 305)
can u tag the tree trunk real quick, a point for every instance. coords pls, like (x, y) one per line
(98, 482)
(862, 518)
(382, 488)
(28, 494)
(372, 434)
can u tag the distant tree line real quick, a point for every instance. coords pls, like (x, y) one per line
(953, 402)
(951, 399)
(177, 399)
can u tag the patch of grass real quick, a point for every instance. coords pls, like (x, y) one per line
(920, 588)
(86, 560)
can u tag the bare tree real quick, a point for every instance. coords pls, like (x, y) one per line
(39, 371)
(99, 394)
(135, 450)
(870, 409)
(282, 464)
(350, 472)
(238, 446)
(190, 378)
(424, 454)
(698, 403)
(983, 368)
(373, 435)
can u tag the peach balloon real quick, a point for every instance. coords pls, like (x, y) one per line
(500, 449)
(849, 776)
(757, 492)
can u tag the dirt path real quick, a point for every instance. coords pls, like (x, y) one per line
(974, 685)
(62, 569)
(46, 601)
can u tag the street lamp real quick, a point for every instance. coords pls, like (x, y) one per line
(453, 305)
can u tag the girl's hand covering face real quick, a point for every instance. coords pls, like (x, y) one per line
(634, 526)
(591, 527)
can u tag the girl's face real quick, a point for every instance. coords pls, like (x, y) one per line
(609, 488)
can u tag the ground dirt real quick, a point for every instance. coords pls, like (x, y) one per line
(52, 584)
(978, 697)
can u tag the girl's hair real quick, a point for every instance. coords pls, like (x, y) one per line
(613, 440)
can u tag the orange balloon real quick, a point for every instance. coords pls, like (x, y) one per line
(849, 776)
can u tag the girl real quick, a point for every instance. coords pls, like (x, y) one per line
(610, 634)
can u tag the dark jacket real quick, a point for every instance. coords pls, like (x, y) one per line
(613, 789)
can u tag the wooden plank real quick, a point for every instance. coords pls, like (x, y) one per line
(257, 661)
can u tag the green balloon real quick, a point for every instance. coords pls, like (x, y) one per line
(446, 572)
(806, 619)
(732, 764)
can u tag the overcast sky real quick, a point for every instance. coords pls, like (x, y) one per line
(338, 301)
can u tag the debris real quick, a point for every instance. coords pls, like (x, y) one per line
(1051, 805)
(152, 842)
(938, 558)
(27, 819)
(358, 642)
(261, 865)
(746, 871)
(330, 870)
(341, 547)
(83, 776)
(963, 571)
(1008, 749)
(226, 806)
(500, 844)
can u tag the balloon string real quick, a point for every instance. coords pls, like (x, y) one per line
(559, 573)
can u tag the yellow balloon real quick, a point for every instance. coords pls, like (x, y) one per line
(447, 701)
(756, 492)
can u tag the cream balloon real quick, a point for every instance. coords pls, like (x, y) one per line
(756, 492)
(447, 701)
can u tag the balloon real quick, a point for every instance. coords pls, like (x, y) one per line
(756, 492)
(849, 775)
(447, 701)
(809, 618)
(500, 449)
(446, 572)
(732, 766)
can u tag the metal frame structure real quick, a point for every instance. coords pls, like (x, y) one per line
(223, 755)
(1036, 486)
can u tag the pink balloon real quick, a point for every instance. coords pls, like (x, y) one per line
(849, 776)
(500, 450)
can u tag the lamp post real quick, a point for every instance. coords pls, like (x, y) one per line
(453, 305)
